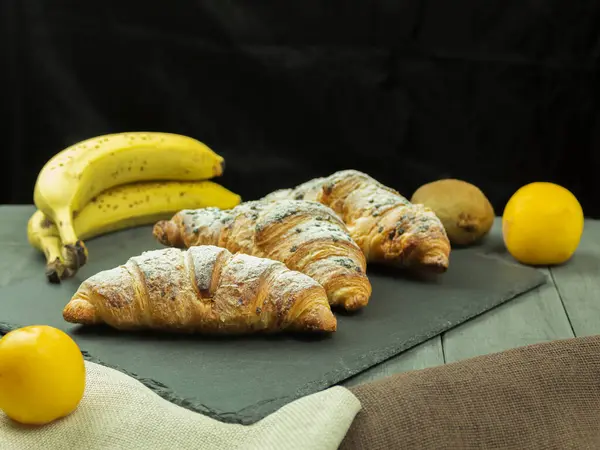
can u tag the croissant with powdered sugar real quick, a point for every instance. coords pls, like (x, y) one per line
(306, 236)
(387, 227)
(205, 289)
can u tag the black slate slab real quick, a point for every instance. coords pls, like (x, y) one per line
(246, 378)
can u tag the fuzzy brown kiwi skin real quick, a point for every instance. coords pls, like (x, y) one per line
(463, 209)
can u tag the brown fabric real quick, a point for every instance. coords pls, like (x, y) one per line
(544, 396)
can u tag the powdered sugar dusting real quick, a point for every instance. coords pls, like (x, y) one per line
(309, 190)
(316, 230)
(279, 210)
(203, 226)
(159, 263)
(114, 277)
(286, 291)
(203, 260)
(208, 224)
(253, 267)
(281, 194)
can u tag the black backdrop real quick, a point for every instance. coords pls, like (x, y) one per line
(496, 92)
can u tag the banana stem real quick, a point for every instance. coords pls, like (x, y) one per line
(43, 235)
(56, 270)
(74, 256)
(75, 251)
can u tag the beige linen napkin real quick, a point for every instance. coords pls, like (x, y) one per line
(120, 413)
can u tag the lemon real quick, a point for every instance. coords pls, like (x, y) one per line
(42, 375)
(542, 224)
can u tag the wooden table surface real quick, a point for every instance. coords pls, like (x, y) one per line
(567, 305)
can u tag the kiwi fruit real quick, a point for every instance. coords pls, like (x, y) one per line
(462, 207)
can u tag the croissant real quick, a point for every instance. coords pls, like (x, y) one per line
(204, 289)
(306, 236)
(386, 226)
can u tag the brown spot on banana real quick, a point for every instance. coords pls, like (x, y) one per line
(46, 223)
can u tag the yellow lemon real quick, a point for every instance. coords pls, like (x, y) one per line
(42, 375)
(542, 224)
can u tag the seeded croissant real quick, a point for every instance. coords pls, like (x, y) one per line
(205, 289)
(306, 236)
(386, 226)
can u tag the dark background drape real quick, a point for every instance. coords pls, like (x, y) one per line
(496, 92)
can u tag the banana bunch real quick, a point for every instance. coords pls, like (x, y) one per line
(118, 181)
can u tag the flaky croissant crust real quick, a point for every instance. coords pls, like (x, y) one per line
(386, 226)
(205, 289)
(306, 236)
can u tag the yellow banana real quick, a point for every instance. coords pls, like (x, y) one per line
(123, 207)
(79, 173)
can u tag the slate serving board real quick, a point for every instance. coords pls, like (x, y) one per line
(243, 379)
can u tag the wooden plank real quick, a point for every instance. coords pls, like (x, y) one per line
(427, 354)
(536, 316)
(578, 283)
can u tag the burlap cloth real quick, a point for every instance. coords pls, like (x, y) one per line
(545, 396)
